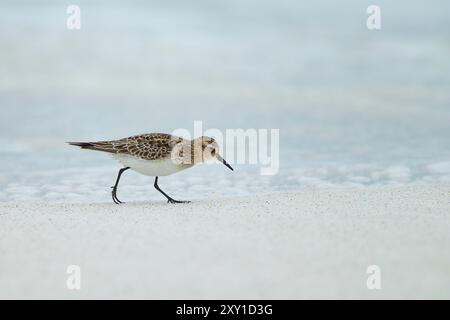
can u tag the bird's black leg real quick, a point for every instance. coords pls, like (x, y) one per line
(169, 199)
(114, 188)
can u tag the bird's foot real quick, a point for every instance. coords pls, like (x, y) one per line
(176, 201)
(114, 196)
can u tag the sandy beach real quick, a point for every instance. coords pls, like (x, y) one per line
(353, 120)
(311, 244)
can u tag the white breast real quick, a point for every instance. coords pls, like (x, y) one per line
(153, 168)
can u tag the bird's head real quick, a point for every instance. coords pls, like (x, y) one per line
(210, 150)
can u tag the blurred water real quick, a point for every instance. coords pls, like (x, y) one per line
(354, 107)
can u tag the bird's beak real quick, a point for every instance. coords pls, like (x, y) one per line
(224, 162)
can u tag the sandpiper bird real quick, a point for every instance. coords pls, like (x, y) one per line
(156, 154)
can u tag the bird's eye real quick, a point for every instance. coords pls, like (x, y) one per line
(213, 153)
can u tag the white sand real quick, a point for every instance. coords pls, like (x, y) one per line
(313, 244)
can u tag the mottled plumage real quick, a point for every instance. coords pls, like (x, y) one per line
(156, 154)
(150, 146)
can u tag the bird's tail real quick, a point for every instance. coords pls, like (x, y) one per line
(83, 145)
(105, 146)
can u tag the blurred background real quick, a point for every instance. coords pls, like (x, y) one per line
(355, 108)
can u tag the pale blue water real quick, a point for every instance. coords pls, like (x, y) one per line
(354, 107)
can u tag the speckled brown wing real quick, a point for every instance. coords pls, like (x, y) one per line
(150, 146)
